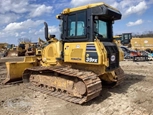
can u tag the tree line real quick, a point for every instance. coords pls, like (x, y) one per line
(24, 40)
(144, 34)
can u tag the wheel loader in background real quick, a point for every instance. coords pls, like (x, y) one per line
(75, 67)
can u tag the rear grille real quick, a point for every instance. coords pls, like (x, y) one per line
(112, 55)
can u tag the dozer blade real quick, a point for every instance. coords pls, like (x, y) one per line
(16, 69)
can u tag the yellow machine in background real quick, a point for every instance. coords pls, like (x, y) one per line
(11, 51)
(3, 46)
(121, 54)
(41, 44)
(75, 67)
(26, 48)
(145, 43)
(124, 39)
(117, 40)
(135, 43)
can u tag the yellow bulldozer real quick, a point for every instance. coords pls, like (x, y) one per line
(40, 45)
(23, 48)
(74, 67)
(26, 48)
(3, 46)
(13, 51)
(10, 51)
(123, 39)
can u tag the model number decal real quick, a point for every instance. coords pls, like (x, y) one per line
(89, 59)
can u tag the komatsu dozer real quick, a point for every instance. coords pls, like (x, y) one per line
(75, 66)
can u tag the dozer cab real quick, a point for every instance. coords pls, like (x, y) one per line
(74, 67)
(124, 39)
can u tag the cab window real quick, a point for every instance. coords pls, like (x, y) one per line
(77, 24)
(101, 28)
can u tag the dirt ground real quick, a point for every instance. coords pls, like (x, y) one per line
(133, 97)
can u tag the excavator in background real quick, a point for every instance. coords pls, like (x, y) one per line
(75, 67)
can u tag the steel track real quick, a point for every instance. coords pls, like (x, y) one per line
(90, 79)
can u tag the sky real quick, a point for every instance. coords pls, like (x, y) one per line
(25, 18)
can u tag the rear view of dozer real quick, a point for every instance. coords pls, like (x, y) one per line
(74, 67)
(11, 50)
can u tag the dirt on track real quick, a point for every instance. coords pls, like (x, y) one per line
(133, 97)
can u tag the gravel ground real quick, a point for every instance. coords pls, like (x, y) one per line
(133, 97)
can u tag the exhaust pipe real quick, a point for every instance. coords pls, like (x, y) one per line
(46, 31)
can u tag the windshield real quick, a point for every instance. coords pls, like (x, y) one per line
(126, 37)
(118, 38)
(101, 28)
(22, 46)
